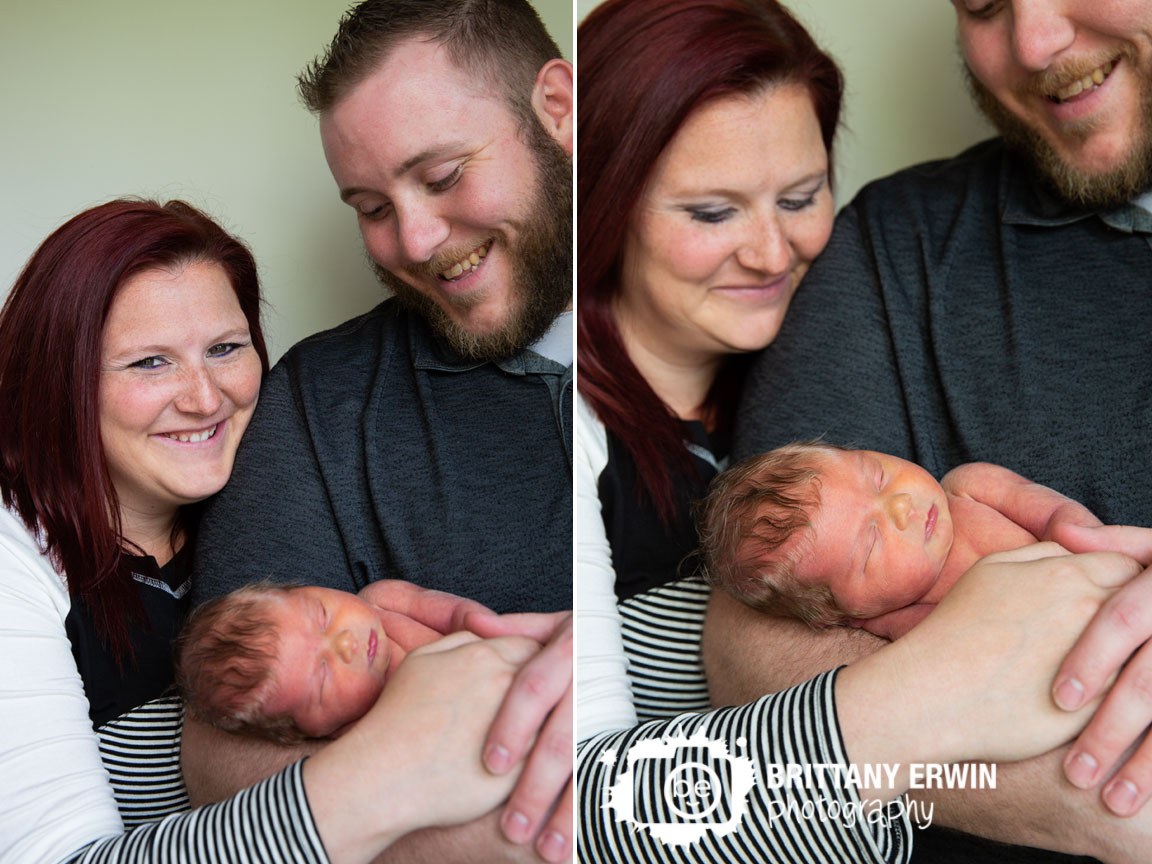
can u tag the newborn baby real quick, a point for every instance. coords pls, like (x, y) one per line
(835, 536)
(294, 662)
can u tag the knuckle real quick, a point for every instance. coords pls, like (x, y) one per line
(557, 747)
(1129, 615)
(1137, 679)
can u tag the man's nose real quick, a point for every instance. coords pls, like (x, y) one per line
(420, 231)
(1040, 32)
(899, 508)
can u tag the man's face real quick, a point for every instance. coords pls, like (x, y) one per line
(1071, 84)
(465, 219)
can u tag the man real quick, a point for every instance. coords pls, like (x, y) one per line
(990, 308)
(430, 439)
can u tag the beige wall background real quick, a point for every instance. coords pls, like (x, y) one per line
(192, 100)
(905, 100)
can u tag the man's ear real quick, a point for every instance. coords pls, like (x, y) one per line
(552, 100)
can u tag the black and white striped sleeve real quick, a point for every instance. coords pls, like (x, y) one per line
(269, 822)
(628, 781)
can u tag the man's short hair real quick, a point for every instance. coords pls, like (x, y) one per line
(502, 42)
(756, 524)
(225, 659)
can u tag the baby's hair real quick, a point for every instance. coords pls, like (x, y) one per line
(225, 657)
(755, 525)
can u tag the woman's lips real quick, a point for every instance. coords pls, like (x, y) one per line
(760, 290)
(372, 642)
(930, 522)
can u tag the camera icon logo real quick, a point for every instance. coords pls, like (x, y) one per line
(681, 788)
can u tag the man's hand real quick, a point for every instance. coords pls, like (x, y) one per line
(538, 707)
(1115, 642)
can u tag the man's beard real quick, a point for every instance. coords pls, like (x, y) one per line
(1097, 191)
(541, 266)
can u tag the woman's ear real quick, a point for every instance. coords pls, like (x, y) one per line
(552, 100)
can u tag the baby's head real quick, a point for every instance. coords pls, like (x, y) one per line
(824, 534)
(283, 662)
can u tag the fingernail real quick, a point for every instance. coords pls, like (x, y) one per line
(1121, 797)
(1081, 769)
(517, 828)
(1069, 694)
(497, 759)
(552, 846)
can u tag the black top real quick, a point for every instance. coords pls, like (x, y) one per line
(646, 552)
(112, 690)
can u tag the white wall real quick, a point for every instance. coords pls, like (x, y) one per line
(905, 101)
(193, 100)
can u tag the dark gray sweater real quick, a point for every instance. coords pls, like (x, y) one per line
(961, 313)
(376, 453)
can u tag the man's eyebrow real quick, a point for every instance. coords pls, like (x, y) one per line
(437, 152)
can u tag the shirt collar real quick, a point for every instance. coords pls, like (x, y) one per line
(430, 352)
(1025, 199)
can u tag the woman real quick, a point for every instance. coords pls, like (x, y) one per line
(683, 270)
(130, 363)
(705, 140)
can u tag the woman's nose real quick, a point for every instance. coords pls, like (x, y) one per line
(899, 509)
(200, 395)
(766, 249)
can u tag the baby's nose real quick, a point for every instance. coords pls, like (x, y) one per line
(900, 508)
(346, 645)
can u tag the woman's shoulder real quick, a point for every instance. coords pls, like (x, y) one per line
(591, 437)
(23, 566)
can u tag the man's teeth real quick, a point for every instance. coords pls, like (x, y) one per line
(1093, 79)
(192, 437)
(469, 264)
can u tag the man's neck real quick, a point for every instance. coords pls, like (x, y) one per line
(556, 343)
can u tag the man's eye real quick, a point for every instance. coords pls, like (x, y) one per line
(982, 11)
(447, 182)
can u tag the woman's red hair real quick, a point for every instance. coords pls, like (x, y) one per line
(52, 467)
(644, 66)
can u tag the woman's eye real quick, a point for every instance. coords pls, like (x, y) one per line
(709, 216)
(223, 349)
(798, 203)
(447, 182)
(149, 363)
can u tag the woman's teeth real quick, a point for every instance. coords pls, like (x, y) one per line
(192, 437)
(467, 264)
(1093, 79)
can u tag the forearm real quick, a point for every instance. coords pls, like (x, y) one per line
(218, 764)
(479, 840)
(748, 654)
(1034, 805)
(800, 723)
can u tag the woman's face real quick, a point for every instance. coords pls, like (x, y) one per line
(736, 208)
(179, 380)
